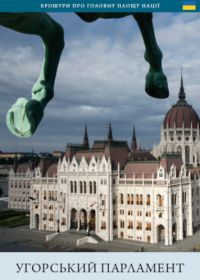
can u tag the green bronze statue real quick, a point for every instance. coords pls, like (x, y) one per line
(25, 115)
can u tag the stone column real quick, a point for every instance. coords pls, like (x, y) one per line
(168, 232)
(78, 222)
(180, 222)
(189, 219)
(88, 221)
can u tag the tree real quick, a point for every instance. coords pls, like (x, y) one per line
(1, 192)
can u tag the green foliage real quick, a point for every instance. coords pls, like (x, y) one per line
(1, 191)
(12, 218)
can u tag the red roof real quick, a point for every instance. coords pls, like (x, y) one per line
(139, 169)
(181, 114)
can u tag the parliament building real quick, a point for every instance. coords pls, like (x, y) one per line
(116, 191)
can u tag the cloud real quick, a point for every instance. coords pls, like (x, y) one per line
(101, 78)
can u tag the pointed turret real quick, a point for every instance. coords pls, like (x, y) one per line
(32, 160)
(85, 139)
(15, 163)
(110, 136)
(181, 94)
(134, 145)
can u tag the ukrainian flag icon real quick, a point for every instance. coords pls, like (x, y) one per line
(189, 5)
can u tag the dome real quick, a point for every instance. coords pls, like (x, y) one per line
(181, 114)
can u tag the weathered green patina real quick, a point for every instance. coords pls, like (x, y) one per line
(25, 115)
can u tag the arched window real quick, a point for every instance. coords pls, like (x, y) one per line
(130, 224)
(128, 198)
(148, 226)
(75, 186)
(139, 225)
(121, 198)
(148, 199)
(85, 187)
(132, 199)
(159, 200)
(137, 199)
(90, 184)
(103, 225)
(95, 186)
(63, 222)
(71, 187)
(141, 199)
(179, 149)
(81, 187)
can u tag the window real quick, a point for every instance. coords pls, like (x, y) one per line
(130, 224)
(148, 226)
(81, 187)
(71, 187)
(139, 213)
(90, 184)
(51, 217)
(128, 199)
(114, 224)
(148, 214)
(63, 222)
(103, 225)
(95, 186)
(174, 199)
(137, 199)
(85, 188)
(121, 224)
(184, 197)
(159, 200)
(44, 217)
(141, 199)
(130, 212)
(75, 186)
(132, 199)
(121, 198)
(148, 199)
(139, 225)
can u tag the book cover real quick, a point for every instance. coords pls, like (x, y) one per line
(100, 138)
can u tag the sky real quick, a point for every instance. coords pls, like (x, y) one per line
(100, 79)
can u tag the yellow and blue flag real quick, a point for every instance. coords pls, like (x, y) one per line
(189, 5)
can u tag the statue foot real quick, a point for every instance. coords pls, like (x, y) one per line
(156, 85)
(42, 92)
(24, 116)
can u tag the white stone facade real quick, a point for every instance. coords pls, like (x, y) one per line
(180, 140)
(91, 196)
(19, 190)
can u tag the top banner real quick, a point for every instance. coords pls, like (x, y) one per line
(127, 6)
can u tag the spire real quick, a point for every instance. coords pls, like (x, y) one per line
(15, 163)
(134, 145)
(32, 160)
(85, 139)
(110, 136)
(181, 94)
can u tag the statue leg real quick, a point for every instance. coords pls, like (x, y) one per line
(156, 82)
(24, 116)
